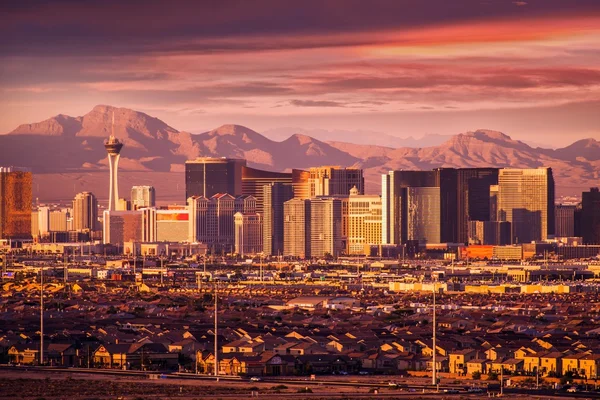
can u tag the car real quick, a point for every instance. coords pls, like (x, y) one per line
(474, 390)
(363, 372)
(256, 379)
(393, 384)
(451, 391)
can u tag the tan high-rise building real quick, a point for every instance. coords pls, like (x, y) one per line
(15, 203)
(423, 216)
(526, 200)
(326, 227)
(296, 228)
(85, 212)
(58, 220)
(142, 197)
(364, 221)
(248, 233)
(335, 181)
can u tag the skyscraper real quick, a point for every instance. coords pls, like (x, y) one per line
(85, 212)
(207, 176)
(212, 222)
(473, 202)
(394, 202)
(333, 181)
(590, 216)
(326, 227)
(43, 216)
(364, 222)
(296, 228)
(143, 196)
(15, 203)
(248, 233)
(254, 179)
(123, 226)
(564, 216)
(526, 200)
(274, 195)
(423, 214)
(113, 147)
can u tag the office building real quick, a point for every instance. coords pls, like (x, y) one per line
(590, 216)
(296, 228)
(35, 224)
(207, 176)
(489, 233)
(212, 222)
(113, 147)
(248, 233)
(364, 222)
(143, 197)
(423, 214)
(333, 181)
(85, 212)
(526, 200)
(274, 195)
(15, 203)
(564, 216)
(326, 227)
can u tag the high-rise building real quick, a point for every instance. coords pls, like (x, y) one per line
(423, 214)
(248, 233)
(15, 203)
(489, 233)
(123, 204)
(274, 195)
(590, 216)
(564, 215)
(326, 227)
(113, 147)
(142, 197)
(212, 222)
(172, 225)
(526, 200)
(207, 176)
(253, 181)
(473, 202)
(58, 220)
(494, 189)
(43, 216)
(85, 212)
(334, 181)
(394, 202)
(364, 222)
(296, 228)
(35, 224)
(123, 226)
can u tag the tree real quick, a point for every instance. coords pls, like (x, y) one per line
(476, 375)
(493, 376)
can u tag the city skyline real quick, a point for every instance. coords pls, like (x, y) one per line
(527, 68)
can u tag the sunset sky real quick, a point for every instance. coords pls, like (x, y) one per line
(405, 68)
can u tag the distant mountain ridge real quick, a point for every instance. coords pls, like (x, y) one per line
(65, 144)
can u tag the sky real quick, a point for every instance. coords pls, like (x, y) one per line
(405, 68)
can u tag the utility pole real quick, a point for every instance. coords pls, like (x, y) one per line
(434, 368)
(501, 380)
(42, 315)
(216, 327)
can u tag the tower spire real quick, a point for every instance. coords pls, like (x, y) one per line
(112, 135)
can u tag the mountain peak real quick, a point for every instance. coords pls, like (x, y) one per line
(484, 134)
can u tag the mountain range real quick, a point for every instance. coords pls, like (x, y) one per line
(67, 154)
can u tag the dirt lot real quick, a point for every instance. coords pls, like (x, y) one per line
(50, 385)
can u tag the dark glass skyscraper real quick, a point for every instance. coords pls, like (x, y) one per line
(207, 176)
(590, 216)
(274, 195)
